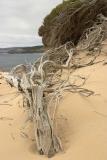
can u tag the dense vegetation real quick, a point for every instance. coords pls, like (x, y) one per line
(60, 8)
(68, 21)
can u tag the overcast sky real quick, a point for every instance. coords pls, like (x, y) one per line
(20, 19)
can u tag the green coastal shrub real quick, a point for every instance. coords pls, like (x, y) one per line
(60, 8)
(69, 20)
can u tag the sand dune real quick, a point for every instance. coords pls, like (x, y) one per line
(82, 121)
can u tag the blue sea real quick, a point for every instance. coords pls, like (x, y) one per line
(7, 61)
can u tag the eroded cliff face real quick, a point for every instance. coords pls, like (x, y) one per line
(69, 20)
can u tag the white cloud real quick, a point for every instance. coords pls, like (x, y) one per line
(22, 18)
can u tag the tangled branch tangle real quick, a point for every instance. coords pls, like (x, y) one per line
(42, 85)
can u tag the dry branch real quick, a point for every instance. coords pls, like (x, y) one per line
(41, 84)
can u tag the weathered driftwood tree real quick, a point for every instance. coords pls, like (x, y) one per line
(42, 86)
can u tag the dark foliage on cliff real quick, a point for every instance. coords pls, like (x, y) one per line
(69, 20)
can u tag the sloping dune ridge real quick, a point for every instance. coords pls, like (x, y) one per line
(82, 121)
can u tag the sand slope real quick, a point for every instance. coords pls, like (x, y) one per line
(82, 122)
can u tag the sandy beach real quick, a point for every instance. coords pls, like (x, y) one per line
(82, 121)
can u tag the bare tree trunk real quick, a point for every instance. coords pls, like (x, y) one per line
(47, 143)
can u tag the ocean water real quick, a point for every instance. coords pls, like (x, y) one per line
(7, 61)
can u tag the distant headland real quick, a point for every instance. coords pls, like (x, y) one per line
(22, 50)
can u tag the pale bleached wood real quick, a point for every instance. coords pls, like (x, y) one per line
(42, 93)
(47, 142)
